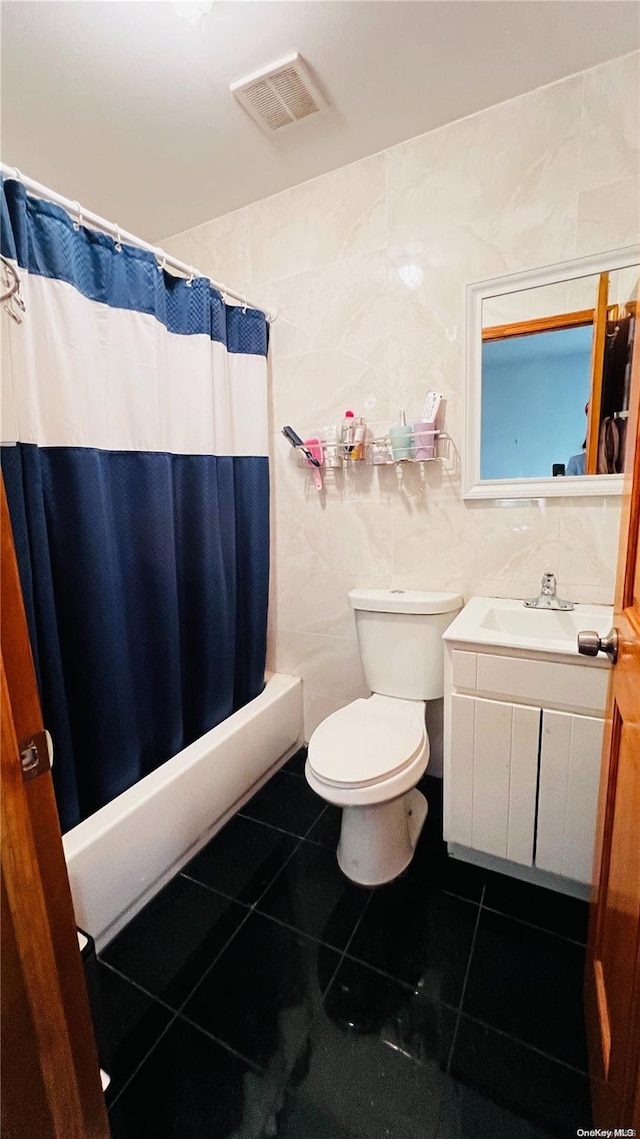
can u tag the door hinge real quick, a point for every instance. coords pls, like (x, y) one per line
(36, 754)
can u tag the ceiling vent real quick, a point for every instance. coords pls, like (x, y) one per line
(279, 95)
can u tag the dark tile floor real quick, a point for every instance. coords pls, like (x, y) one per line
(261, 994)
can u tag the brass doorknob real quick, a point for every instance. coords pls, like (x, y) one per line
(590, 644)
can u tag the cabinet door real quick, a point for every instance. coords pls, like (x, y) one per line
(570, 754)
(492, 775)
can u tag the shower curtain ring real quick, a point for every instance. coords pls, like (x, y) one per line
(162, 264)
(192, 274)
(118, 239)
(18, 175)
(244, 306)
(78, 222)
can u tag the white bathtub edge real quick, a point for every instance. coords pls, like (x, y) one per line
(121, 857)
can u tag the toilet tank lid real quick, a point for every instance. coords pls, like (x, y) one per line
(404, 601)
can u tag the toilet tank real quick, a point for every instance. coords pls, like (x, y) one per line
(399, 637)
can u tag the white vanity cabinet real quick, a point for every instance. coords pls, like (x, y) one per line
(522, 746)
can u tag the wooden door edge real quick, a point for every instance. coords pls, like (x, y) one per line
(36, 851)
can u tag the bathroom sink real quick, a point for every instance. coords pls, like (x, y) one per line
(508, 624)
(548, 624)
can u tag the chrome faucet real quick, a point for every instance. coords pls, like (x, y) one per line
(548, 598)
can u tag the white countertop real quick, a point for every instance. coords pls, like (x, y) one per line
(506, 623)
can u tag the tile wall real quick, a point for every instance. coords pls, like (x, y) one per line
(367, 268)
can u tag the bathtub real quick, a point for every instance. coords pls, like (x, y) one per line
(124, 853)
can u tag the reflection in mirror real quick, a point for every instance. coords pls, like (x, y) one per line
(555, 376)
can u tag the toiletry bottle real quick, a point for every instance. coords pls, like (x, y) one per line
(346, 434)
(432, 407)
(331, 457)
(357, 453)
(401, 435)
(353, 437)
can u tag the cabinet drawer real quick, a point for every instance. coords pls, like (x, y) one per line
(543, 682)
(463, 669)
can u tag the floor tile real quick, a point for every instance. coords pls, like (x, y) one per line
(286, 801)
(359, 1075)
(242, 859)
(528, 983)
(545, 908)
(192, 1088)
(419, 935)
(534, 1087)
(298, 1118)
(313, 895)
(168, 947)
(467, 1114)
(360, 1088)
(432, 865)
(364, 1002)
(351, 1048)
(132, 1023)
(262, 994)
(326, 830)
(295, 765)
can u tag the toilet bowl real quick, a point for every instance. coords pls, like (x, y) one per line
(368, 757)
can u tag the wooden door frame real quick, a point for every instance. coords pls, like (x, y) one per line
(608, 1113)
(597, 366)
(50, 1068)
(578, 319)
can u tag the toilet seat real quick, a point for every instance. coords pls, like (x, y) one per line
(366, 742)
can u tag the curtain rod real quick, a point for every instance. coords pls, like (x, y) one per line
(165, 260)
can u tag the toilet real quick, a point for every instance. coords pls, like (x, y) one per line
(368, 757)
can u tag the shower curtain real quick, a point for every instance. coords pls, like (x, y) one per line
(134, 453)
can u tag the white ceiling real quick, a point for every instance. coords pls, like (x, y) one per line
(126, 108)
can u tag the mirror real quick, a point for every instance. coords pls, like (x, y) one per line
(548, 375)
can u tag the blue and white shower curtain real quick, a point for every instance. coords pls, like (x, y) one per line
(134, 432)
